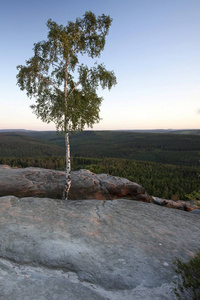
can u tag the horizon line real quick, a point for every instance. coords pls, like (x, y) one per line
(161, 129)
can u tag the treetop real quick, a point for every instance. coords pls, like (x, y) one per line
(65, 90)
(85, 35)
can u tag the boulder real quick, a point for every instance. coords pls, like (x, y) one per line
(50, 183)
(183, 205)
(90, 249)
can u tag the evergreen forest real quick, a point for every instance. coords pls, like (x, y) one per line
(165, 164)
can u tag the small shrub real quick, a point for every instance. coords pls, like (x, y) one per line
(187, 286)
(195, 197)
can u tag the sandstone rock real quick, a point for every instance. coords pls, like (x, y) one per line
(183, 205)
(196, 211)
(91, 250)
(85, 185)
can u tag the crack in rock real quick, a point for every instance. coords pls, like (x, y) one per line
(97, 212)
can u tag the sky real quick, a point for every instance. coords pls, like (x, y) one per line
(153, 46)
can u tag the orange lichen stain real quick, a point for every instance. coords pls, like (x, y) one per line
(72, 214)
(95, 221)
(96, 234)
(5, 205)
(15, 212)
(61, 224)
(4, 208)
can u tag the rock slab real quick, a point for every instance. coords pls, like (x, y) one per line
(91, 249)
(39, 182)
(183, 205)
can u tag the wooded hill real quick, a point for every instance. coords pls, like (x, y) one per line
(177, 149)
(167, 165)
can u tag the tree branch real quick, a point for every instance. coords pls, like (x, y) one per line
(60, 60)
(71, 56)
(74, 88)
(49, 82)
(87, 78)
(55, 65)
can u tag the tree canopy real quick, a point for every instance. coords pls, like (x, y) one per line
(65, 89)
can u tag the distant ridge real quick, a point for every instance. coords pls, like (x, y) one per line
(16, 130)
(173, 131)
(149, 130)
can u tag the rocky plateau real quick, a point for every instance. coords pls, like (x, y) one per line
(107, 249)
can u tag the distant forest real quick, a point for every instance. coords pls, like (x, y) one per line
(166, 164)
(165, 148)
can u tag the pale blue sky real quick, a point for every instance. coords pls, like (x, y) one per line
(153, 46)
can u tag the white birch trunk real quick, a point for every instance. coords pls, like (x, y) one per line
(68, 165)
(68, 158)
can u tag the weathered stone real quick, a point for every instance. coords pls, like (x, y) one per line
(91, 250)
(183, 205)
(85, 185)
(196, 211)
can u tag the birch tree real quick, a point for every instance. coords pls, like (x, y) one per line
(64, 88)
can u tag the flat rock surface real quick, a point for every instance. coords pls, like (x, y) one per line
(91, 250)
(39, 182)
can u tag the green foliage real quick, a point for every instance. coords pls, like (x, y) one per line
(64, 89)
(188, 285)
(194, 196)
(13, 144)
(161, 148)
